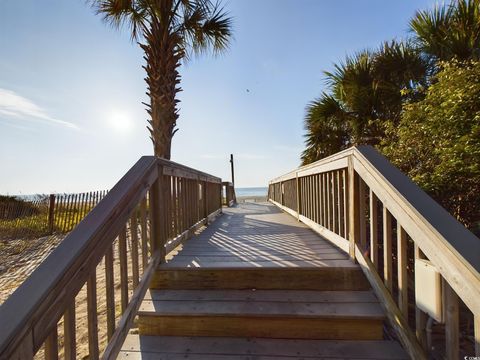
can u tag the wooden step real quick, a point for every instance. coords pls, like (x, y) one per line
(319, 278)
(220, 348)
(256, 313)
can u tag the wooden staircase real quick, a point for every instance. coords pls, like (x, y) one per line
(271, 313)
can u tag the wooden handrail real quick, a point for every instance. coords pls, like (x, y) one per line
(179, 198)
(319, 193)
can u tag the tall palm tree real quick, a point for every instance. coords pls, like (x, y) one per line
(326, 125)
(366, 93)
(449, 31)
(169, 32)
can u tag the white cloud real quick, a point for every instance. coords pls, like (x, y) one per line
(14, 105)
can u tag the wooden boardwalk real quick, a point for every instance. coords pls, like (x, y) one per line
(257, 235)
(258, 284)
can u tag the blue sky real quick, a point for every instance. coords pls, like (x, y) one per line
(71, 87)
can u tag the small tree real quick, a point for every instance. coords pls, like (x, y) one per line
(437, 142)
(169, 32)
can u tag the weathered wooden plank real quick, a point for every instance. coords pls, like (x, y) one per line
(263, 309)
(205, 348)
(326, 278)
(286, 296)
(239, 326)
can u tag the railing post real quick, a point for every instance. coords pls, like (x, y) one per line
(158, 215)
(298, 195)
(353, 208)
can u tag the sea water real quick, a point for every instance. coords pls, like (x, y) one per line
(251, 191)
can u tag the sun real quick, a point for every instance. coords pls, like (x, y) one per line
(120, 121)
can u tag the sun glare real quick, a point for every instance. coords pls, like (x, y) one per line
(120, 121)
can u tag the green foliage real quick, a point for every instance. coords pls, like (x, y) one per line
(437, 142)
(366, 90)
(449, 31)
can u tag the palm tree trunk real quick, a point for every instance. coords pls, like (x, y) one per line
(162, 60)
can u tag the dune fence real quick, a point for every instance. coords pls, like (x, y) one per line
(39, 215)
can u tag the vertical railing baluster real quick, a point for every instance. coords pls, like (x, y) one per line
(143, 227)
(339, 203)
(110, 292)
(92, 316)
(373, 228)
(402, 270)
(329, 202)
(51, 345)
(122, 251)
(363, 229)
(476, 329)
(452, 322)
(345, 203)
(134, 252)
(420, 317)
(69, 333)
(334, 202)
(387, 249)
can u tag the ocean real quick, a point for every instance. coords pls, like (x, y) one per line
(251, 191)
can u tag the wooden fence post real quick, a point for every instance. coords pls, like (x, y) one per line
(353, 208)
(51, 214)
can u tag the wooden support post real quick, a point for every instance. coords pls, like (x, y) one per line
(353, 209)
(420, 317)
(387, 249)
(157, 210)
(345, 203)
(452, 323)
(402, 270)
(51, 214)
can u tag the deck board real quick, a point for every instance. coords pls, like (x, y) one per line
(168, 347)
(257, 235)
